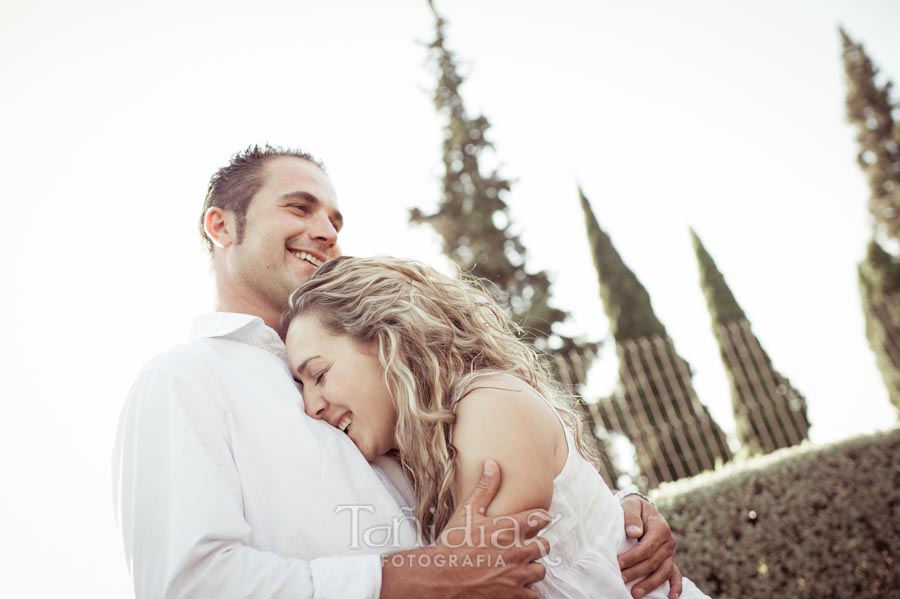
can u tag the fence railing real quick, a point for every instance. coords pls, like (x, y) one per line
(883, 332)
(656, 408)
(769, 412)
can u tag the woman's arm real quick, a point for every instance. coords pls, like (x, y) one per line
(504, 419)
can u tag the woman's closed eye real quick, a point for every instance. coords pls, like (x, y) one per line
(320, 377)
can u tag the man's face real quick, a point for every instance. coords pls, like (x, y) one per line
(291, 228)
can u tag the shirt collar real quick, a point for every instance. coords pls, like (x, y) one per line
(243, 328)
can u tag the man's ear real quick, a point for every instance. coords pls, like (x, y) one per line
(220, 226)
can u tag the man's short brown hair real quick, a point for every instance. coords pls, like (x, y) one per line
(235, 184)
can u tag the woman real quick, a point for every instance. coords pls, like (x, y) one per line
(410, 362)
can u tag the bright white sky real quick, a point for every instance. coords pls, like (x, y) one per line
(115, 114)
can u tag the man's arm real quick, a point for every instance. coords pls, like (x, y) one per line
(653, 558)
(181, 508)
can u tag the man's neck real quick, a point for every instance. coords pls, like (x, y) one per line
(230, 302)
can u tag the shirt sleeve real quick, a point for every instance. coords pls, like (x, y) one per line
(179, 503)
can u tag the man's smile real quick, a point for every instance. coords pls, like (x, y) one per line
(313, 259)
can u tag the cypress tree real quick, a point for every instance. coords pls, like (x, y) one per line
(655, 406)
(879, 280)
(768, 411)
(625, 299)
(476, 228)
(870, 109)
(472, 217)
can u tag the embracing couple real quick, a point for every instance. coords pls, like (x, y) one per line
(360, 428)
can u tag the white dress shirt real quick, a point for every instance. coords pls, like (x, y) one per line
(226, 488)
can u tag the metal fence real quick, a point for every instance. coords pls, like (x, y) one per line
(769, 412)
(883, 332)
(656, 408)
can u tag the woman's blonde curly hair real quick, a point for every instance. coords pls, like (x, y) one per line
(435, 335)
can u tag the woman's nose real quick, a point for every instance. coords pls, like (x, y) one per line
(314, 405)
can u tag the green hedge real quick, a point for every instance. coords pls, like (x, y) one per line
(804, 522)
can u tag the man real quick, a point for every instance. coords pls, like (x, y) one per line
(227, 489)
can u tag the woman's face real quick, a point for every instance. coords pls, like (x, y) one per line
(343, 384)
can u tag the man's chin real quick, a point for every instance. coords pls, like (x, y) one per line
(288, 289)
(301, 269)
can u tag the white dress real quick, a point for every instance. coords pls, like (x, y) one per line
(587, 535)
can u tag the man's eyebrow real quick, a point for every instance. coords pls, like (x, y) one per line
(313, 200)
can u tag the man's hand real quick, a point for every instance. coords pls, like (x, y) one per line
(476, 556)
(652, 560)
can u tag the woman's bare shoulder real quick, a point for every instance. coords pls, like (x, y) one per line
(503, 418)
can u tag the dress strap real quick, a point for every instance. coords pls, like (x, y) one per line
(469, 388)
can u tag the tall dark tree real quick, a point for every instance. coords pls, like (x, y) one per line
(475, 224)
(768, 411)
(871, 110)
(472, 217)
(625, 299)
(873, 113)
(655, 406)
(879, 281)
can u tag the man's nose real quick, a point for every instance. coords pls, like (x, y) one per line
(315, 405)
(323, 230)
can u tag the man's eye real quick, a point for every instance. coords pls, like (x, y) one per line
(301, 208)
